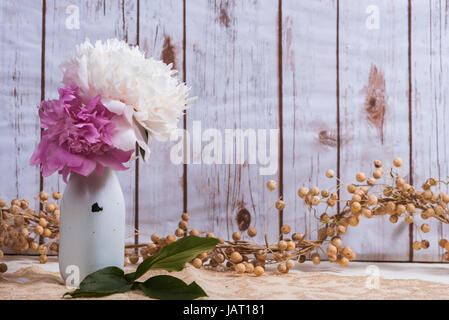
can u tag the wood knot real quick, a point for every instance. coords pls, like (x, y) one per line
(243, 218)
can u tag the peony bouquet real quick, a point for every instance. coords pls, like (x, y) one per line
(113, 97)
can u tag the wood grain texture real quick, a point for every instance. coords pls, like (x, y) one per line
(430, 112)
(20, 85)
(374, 111)
(232, 56)
(161, 181)
(98, 20)
(231, 65)
(310, 110)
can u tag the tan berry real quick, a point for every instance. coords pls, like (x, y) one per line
(179, 233)
(394, 218)
(356, 207)
(400, 209)
(425, 228)
(377, 174)
(343, 261)
(249, 268)
(236, 257)
(210, 235)
(285, 229)
(202, 256)
(252, 232)
(170, 239)
(43, 196)
(341, 230)
(425, 244)
(302, 192)
(47, 233)
(197, 263)
(410, 207)
(360, 177)
(290, 264)
(34, 246)
(417, 245)
(397, 162)
(185, 216)
(280, 205)
(324, 218)
(194, 232)
(297, 236)
(155, 238)
(336, 241)
(354, 220)
(56, 195)
(433, 181)
(271, 185)
(219, 258)
(331, 250)
(330, 231)
(367, 213)
(258, 271)
(291, 245)
(330, 173)
(316, 258)
(240, 268)
(314, 191)
(236, 236)
(316, 200)
(409, 219)
(133, 258)
(352, 188)
(282, 268)
(24, 204)
(183, 225)
(444, 196)
(38, 230)
(282, 245)
(442, 243)
(430, 212)
(50, 207)
(377, 163)
(43, 259)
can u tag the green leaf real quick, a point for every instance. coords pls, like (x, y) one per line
(103, 282)
(171, 288)
(174, 256)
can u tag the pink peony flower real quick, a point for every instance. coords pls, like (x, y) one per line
(77, 137)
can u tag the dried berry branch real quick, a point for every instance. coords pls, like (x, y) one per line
(377, 195)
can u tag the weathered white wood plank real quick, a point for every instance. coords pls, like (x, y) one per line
(374, 110)
(161, 181)
(232, 68)
(20, 85)
(310, 104)
(98, 20)
(430, 112)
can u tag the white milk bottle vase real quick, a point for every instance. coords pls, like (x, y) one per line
(92, 227)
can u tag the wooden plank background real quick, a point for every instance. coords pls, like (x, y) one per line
(344, 82)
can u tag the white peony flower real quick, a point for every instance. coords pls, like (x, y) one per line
(144, 93)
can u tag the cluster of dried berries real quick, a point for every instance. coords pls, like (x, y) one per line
(22, 230)
(240, 255)
(371, 196)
